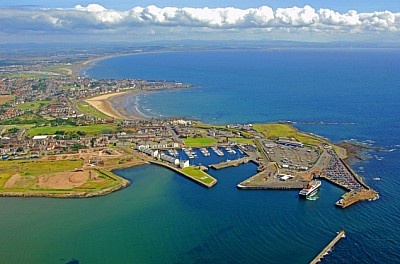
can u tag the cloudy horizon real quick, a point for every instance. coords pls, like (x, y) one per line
(95, 22)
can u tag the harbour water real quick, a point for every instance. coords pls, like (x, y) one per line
(165, 218)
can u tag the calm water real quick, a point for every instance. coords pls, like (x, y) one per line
(164, 218)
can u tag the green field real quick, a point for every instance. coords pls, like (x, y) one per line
(20, 126)
(199, 142)
(32, 169)
(242, 140)
(198, 174)
(89, 130)
(28, 75)
(26, 119)
(33, 105)
(207, 126)
(87, 109)
(62, 69)
(284, 130)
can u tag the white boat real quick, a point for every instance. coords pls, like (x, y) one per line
(310, 189)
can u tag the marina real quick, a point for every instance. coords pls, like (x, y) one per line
(217, 151)
(205, 152)
(369, 124)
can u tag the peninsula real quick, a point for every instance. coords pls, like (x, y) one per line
(62, 135)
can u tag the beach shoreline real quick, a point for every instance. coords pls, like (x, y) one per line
(118, 103)
(103, 104)
(113, 105)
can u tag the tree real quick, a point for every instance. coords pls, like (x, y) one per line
(92, 140)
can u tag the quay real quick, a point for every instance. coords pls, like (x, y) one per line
(329, 247)
(254, 183)
(340, 174)
(230, 163)
(208, 185)
(352, 197)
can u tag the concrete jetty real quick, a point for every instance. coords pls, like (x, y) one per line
(230, 163)
(208, 185)
(352, 197)
(329, 247)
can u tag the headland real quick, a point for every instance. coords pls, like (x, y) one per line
(91, 133)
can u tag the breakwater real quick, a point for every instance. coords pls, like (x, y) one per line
(328, 248)
(190, 177)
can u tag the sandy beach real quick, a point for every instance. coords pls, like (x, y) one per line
(102, 104)
(112, 104)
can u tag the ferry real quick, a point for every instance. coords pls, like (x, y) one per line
(310, 190)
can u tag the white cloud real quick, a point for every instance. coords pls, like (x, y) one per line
(96, 18)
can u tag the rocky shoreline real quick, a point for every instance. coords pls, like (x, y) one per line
(355, 150)
(124, 183)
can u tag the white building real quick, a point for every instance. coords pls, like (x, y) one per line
(184, 164)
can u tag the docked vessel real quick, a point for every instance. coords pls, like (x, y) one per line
(310, 190)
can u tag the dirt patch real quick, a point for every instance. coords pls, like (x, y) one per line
(66, 180)
(12, 180)
(17, 181)
(5, 98)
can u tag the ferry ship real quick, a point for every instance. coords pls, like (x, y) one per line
(310, 190)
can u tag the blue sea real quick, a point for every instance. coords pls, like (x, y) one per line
(165, 218)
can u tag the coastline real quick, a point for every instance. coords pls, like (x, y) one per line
(92, 61)
(103, 104)
(54, 193)
(112, 104)
(118, 103)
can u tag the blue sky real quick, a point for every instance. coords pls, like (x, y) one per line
(151, 20)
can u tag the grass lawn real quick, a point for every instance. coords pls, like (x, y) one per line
(33, 105)
(62, 69)
(284, 130)
(23, 120)
(198, 174)
(199, 142)
(108, 180)
(19, 126)
(32, 169)
(85, 108)
(242, 140)
(28, 75)
(207, 126)
(6, 98)
(89, 130)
